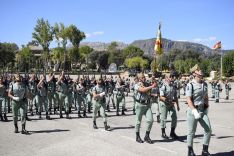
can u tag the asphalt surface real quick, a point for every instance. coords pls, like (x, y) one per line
(76, 136)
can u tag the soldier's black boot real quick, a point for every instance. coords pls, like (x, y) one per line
(117, 112)
(108, 108)
(173, 135)
(99, 115)
(123, 112)
(84, 114)
(67, 115)
(227, 98)
(114, 106)
(106, 126)
(31, 110)
(47, 116)
(27, 117)
(205, 151)
(190, 151)
(158, 118)
(89, 109)
(70, 110)
(147, 138)
(1, 117)
(138, 138)
(61, 115)
(164, 134)
(24, 130)
(95, 125)
(134, 111)
(79, 114)
(16, 128)
(39, 115)
(217, 101)
(5, 117)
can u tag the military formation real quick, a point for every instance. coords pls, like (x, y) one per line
(32, 94)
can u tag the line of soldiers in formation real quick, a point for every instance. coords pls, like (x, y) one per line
(84, 94)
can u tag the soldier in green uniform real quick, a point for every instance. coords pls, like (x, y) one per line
(81, 97)
(110, 93)
(197, 99)
(18, 92)
(51, 85)
(213, 88)
(120, 96)
(154, 98)
(227, 88)
(42, 89)
(63, 95)
(99, 103)
(168, 100)
(136, 80)
(218, 88)
(143, 107)
(3, 100)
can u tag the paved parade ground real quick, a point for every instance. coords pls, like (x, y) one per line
(76, 136)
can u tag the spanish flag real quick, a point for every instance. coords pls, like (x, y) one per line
(218, 45)
(158, 43)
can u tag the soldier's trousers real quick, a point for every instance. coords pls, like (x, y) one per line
(120, 100)
(142, 109)
(3, 105)
(99, 105)
(156, 106)
(19, 106)
(192, 126)
(109, 98)
(165, 109)
(81, 100)
(36, 101)
(227, 92)
(216, 94)
(51, 100)
(63, 99)
(89, 99)
(43, 101)
(213, 92)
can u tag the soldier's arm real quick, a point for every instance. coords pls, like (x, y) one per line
(146, 89)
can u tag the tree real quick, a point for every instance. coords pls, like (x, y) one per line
(228, 64)
(100, 58)
(43, 35)
(112, 47)
(137, 63)
(7, 53)
(25, 58)
(75, 35)
(132, 51)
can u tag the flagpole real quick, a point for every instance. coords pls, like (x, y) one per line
(221, 63)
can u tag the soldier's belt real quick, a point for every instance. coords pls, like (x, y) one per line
(142, 101)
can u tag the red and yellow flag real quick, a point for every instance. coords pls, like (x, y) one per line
(158, 43)
(218, 45)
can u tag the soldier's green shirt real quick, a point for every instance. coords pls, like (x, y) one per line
(18, 90)
(63, 87)
(99, 89)
(2, 91)
(168, 91)
(197, 91)
(140, 95)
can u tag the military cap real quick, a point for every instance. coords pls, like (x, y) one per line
(196, 67)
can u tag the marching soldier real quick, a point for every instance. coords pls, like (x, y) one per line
(51, 92)
(120, 96)
(218, 88)
(213, 88)
(18, 92)
(99, 103)
(136, 80)
(227, 88)
(3, 100)
(63, 95)
(143, 107)
(197, 99)
(168, 100)
(110, 94)
(154, 98)
(81, 97)
(42, 89)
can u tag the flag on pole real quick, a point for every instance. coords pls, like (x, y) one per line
(158, 43)
(218, 45)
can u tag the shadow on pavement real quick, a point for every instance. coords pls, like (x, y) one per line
(231, 153)
(116, 128)
(49, 131)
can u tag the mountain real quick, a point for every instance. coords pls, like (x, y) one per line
(101, 46)
(148, 46)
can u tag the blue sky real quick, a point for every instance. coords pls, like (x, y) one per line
(201, 21)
